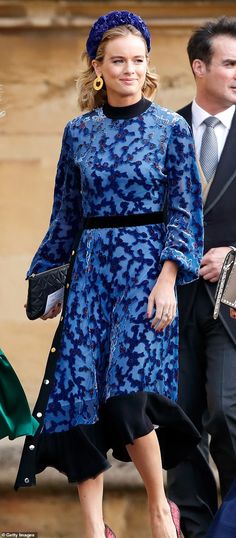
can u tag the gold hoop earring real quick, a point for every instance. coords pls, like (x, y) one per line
(98, 83)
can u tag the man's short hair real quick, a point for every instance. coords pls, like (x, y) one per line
(201, 41)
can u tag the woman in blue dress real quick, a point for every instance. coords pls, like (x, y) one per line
(111, 376)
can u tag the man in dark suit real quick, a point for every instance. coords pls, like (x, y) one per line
(207, 378)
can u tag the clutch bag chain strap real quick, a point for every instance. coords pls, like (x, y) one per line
(227, 264)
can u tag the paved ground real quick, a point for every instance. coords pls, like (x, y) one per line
(52, 508)
(56, 513)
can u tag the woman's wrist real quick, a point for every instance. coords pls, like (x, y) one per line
(169, 271)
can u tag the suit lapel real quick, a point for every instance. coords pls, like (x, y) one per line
(186, 112)
(226, 166)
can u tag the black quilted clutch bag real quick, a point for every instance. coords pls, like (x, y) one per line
(45, 290)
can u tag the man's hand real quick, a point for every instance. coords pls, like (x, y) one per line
(233, 313)
(212, 262)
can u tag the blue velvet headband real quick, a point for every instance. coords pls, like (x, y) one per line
(111, 20)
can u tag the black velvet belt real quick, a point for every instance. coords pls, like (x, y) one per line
(120, 221)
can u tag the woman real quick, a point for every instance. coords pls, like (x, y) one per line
(111, 377)
(15, 416)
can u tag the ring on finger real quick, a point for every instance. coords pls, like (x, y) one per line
(166, 316)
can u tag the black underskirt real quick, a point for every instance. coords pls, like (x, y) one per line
(81, 452)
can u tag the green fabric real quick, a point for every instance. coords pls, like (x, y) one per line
(15, 415)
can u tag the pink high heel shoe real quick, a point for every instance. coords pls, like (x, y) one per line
(175, 513)
(109, 533)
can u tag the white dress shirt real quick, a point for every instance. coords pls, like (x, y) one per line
(221, 130)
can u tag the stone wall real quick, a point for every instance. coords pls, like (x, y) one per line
(41, 44)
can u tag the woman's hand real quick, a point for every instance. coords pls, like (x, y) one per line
(53, 312)
(162, 297)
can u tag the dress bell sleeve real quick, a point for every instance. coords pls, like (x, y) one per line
(184, 233)
(66, 217)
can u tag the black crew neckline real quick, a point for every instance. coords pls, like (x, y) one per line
(126, 112)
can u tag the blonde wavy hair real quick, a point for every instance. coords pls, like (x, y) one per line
(88, 98)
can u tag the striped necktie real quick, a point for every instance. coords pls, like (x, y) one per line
(209, 148)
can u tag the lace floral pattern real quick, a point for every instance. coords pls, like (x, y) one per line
(112, 167)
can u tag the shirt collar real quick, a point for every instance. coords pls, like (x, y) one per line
(199, 115)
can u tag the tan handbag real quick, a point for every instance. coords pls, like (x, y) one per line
(226, 287)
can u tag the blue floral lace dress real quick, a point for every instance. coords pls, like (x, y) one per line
(110, 378)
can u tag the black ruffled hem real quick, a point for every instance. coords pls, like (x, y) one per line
(81, 452)
(134, 415)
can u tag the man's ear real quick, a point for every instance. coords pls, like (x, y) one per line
(199, 68)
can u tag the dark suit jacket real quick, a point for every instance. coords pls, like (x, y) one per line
(219, 222)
